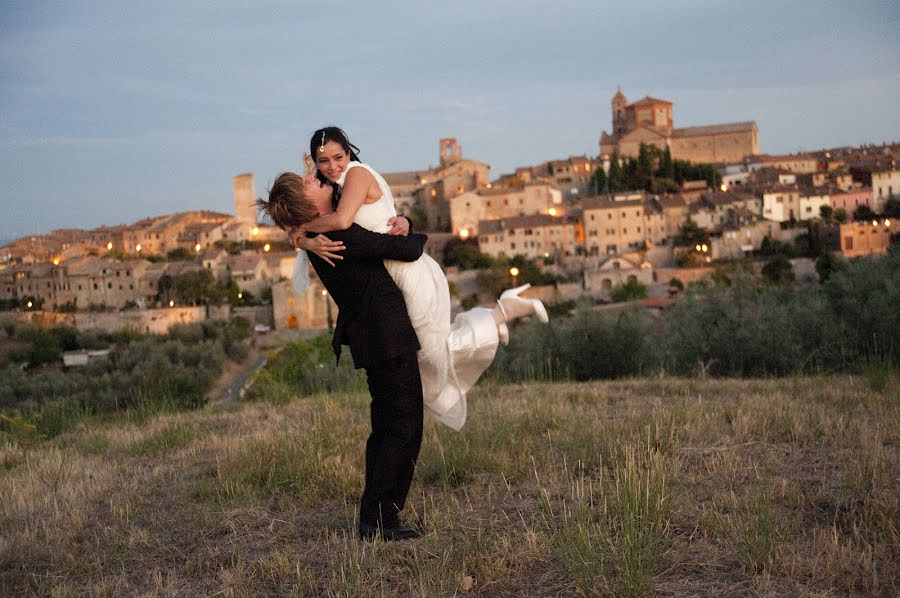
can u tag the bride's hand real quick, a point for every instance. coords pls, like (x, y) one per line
(322, 246)
(399, 225)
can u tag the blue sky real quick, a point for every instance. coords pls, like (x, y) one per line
(111, 111)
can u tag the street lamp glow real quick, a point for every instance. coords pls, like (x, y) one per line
(56, 261)
(109, 246)
(171, 303)
(552, 211)
(723, 187)
(697, 247)
(197, 247)
(30, 304)
(887, 222)
(254, 231)
(514, 271)
(874, 223)
(704, 248)
(138, 247)
(463, 233)
(267, 247)
(240, 295)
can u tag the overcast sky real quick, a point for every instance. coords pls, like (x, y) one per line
(111, 111)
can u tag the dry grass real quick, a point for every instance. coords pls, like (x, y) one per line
(644, 487)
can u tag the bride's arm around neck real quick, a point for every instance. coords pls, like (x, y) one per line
(353, 196)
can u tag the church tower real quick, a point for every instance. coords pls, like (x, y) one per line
(619, 103)
(244, 198)
(450, 151)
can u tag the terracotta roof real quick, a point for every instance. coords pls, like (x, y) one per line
(714, 129)
(779, 188)
(649, 100)
(598, 203)
(176, 268)
(244, 262)
(90, 266)
(212, 253)
(719, 198)
(781, 158)
(402, 178)
(274, 259)
(621, 258)
(672, 201)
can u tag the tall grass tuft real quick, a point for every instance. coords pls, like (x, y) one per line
(613, 539)
(750, 529)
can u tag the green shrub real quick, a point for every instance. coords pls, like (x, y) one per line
(303, 368)
(142, 375)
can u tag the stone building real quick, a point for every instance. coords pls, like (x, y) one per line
(796, 163)
(431, 190)
(885, 184)
(849, 201)
(812, 199)
(612, 227)
(250, 272)
(468, 209)
(732, 208)
(572, 176)
(864, 238)
(308, 310)
(82, 282)
(741, 240)
(534, 236)
(618, 270)
(403, 187)
(675, 211)
(781, 203)
(162, 234)
(703, 215)
(650, 121)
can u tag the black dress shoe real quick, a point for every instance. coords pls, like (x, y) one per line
(395, 532)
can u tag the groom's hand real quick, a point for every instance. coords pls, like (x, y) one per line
(399, 225)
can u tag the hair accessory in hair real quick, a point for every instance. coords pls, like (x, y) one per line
(322, 143)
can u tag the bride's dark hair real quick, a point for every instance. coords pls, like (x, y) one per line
(323, 136)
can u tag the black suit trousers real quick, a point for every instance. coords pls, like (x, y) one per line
(393, 445)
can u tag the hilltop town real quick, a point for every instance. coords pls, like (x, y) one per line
(657, 207)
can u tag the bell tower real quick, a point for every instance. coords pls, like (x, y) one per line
(450, 151)
(619, 104)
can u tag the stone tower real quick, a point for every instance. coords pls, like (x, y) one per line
(450, 151)
(619, 103)
(244, 198)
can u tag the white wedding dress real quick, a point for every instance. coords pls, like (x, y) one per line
(451, 357)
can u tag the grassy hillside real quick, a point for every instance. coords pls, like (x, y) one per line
(638, 487)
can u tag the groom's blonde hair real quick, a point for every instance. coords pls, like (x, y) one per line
(288, 206)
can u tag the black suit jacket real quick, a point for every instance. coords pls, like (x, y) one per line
(372, 317)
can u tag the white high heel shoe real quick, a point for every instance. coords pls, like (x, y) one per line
(535, 305)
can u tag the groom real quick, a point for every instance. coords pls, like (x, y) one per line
(373, 321)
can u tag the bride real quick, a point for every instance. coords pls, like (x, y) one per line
(452, 356)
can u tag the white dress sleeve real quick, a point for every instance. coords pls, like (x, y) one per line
(300, 276)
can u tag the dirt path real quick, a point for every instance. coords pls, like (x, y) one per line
(236, 375)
